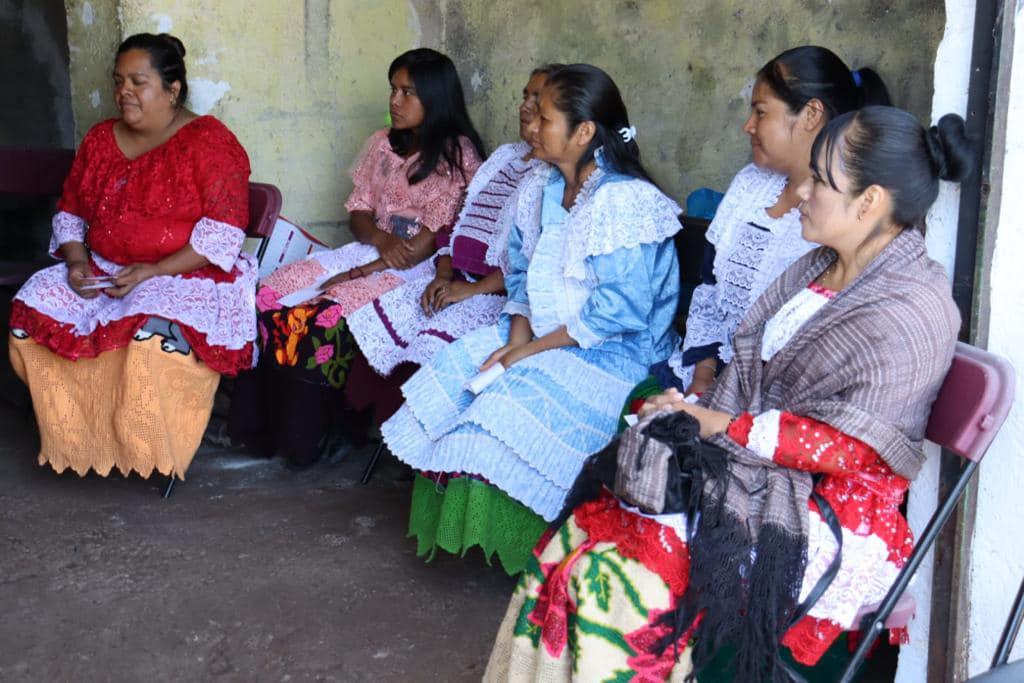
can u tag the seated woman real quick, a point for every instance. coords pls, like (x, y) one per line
(592, 285)
(824, 405)
(755, 234)
(409, 184)
(121, 345)
(464, 292)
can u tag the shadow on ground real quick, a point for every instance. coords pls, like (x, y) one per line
(249, 572)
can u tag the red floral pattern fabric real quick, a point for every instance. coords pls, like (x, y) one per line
(860, 487)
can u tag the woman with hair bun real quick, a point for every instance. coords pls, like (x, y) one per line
(592, 287)
(122, 345)
(810, 437)
(755, 234)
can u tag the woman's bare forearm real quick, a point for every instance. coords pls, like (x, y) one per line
(491, 284)
(74, 252)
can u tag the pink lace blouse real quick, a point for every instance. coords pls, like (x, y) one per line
(382, 187)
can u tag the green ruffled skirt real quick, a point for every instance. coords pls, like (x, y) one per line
(468, 512)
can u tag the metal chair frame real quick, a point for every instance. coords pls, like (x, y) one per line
(972, 405)
(264, 208)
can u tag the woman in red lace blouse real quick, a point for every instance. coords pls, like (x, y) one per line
(122, 344)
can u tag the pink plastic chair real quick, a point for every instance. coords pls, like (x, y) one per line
(973, 402)
(264, 208)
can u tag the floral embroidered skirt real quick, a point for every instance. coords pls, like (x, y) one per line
(292, 400)
(589, 604)
(297, 399)
(587, 607)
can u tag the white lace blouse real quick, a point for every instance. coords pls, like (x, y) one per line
(751, 250)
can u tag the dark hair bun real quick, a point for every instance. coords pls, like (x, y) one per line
(179, 46)
(950, 149)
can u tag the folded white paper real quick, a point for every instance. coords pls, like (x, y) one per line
(304, 294)
(482, 380)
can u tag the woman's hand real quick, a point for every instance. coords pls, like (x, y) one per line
(400, 256)
(77, 274)
(433, 293)
(507, 355)
(711, 421)
(130, 277)
(385, 241)
(519, 335)
(407, 253)
(669, 399)
(453, 293)
(337, 279)
(699, 385)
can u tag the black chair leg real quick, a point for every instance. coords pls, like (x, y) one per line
(170, 485)
(368, 472)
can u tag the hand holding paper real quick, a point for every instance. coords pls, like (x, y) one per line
(484, 379)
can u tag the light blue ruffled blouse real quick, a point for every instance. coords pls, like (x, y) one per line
(627, 300)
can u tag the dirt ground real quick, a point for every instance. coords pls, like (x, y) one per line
(249, 572)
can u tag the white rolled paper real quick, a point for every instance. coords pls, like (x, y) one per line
(482, 380)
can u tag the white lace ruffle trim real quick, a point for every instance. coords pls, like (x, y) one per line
(508, 156)
(67, 227)
(516, 308)
(499, 159)
(764, 434)
(397, 314)
(790, 318)
(225, 312)
(577, 329)
(865, 573)
(219, 242)
(497, 248)
(606, 216)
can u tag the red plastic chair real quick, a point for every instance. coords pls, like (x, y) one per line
(973, 402)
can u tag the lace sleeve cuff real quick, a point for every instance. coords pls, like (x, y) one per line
(67, 227)
(516, 308)
(582, 334)
(219, 242)
(764, 434)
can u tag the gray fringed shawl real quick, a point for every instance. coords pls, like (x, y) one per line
(870, 364)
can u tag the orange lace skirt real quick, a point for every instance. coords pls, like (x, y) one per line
(136, 408)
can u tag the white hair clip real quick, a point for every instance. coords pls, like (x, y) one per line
(628, 134)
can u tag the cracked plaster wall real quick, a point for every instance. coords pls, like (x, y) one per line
(684, 68)
(301, 83)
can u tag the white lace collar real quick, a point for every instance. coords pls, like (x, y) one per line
(610, 212)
